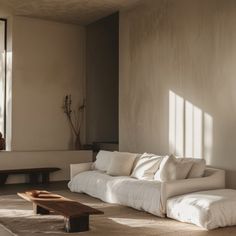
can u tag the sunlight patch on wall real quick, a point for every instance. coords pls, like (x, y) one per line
(197, 132)
(190, 129)
(208, 137)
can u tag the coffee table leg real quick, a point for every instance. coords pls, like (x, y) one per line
(40, 210)
(77, 224)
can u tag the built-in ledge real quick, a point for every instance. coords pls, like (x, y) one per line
(34, 159)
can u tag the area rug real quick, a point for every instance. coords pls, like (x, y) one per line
(16, 215)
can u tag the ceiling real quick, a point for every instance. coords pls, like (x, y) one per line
(70, 11)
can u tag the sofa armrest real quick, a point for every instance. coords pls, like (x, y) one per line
(78, 168)
(214, 179)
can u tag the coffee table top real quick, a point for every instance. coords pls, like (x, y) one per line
(60, 204)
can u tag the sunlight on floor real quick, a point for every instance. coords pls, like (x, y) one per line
(156, 223)
(13, 213)
(135, 222)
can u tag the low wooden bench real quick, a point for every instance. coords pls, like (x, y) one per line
(33, 173)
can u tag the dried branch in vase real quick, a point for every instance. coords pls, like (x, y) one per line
(75, 118)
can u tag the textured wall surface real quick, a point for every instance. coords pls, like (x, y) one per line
(102, 80)
(48, 63)
(180, 55)
(71, 11)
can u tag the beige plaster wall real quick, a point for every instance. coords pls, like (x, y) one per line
(186, 50)
(48, 63)
(4, 11)
(102, 80)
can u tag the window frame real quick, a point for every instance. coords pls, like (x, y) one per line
(5, 74)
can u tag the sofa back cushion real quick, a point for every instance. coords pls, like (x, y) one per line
(172, 168)
(198, 168)
(121, 164)
(103, 160)
(146, 166)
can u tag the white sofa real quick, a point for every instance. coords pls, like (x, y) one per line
(150, 196)
(209, 209)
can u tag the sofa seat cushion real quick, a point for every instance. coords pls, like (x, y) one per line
(139, 194)
(95, 183)
(208, 209)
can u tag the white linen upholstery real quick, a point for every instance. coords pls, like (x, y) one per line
(213, 179)
(146, 166)
(150, 196)
(207, 209)
(103, 160)
(121, 163)
(172, 168)
(198, 168)
(139, 194)
(78, 168)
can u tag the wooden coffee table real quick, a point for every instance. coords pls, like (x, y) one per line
(76, 215)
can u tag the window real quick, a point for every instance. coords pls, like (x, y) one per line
(3, 45)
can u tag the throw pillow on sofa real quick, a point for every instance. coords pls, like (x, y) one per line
(121, 164)
(103, 160)
(198, 168)
(171, 168)
(146, 166)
